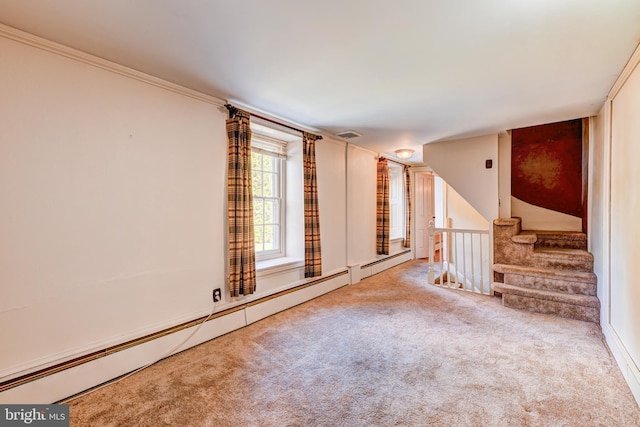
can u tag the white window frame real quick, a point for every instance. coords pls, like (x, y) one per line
(397, 203)
(269, 146)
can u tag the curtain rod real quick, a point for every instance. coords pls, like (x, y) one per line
(233, 110)
(394, 161)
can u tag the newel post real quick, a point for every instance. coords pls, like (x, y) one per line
(431, 274)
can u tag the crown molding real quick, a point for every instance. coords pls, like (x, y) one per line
(628, 69)
(77, 55)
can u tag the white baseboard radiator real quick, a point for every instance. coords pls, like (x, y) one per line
(67, 378)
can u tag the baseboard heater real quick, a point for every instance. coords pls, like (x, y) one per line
(378, 261)
(15, 382)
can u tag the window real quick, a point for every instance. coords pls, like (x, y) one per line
(267, 166)
(278, 198)
(396, 202)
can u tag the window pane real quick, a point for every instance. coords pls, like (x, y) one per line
(258, 235)
(268, 163)
(256, 183)
(258, 211)
(270, 211)
(268, 237)
(271, 237)
(268, 185)
(256, 161)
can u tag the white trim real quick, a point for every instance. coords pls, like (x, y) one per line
(51, 360)
(590, 166)
(334, 141)
(605, 315)
(378, 265)
(71, 381)
(630, 371)
(283, 302)
(269, 267)
(281, 199)
(366, 150)
(86, 58)
(628, 69)
(74, 380)
(422, 169)
(396, 173)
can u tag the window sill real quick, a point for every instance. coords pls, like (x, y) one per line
(277, 265)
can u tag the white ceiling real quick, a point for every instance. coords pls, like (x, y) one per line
(402, 72)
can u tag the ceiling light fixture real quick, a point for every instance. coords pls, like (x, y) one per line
(404, 153)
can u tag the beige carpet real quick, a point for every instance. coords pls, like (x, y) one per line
(389, 351)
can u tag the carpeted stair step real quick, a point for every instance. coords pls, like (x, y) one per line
(579, 307)
(558, 239)
(571, 282)
(562, 259)
(525, 239)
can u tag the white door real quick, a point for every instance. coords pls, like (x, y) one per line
(423, 212)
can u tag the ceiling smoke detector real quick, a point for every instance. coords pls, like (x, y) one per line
(348, 134)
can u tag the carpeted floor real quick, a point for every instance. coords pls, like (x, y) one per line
(388, 351)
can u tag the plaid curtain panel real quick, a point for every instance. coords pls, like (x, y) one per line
(382, 208)
(312, 257)
(407, 184)
(242, 257)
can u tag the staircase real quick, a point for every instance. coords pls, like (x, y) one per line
(544, 271)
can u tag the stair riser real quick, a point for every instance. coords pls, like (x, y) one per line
(557, 263)
(555, 241)
(506, 253)
(586, 314)
(550, 284)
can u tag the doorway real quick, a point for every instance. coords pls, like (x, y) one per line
(424, 211)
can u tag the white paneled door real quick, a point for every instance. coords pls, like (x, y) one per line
(424, 211)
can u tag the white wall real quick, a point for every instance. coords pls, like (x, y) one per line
(294, 212)
(462, 214)
(113, 206)
(361, 197)
(614, 229)
(332, 195)
(461, 163)
(361, 208)
(113, 195)
(504, 174)
(439, 201)
(538, 218)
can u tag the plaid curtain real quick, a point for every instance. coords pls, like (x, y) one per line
(312, 256)
(382, 208)
(407, 184)
(242, 257)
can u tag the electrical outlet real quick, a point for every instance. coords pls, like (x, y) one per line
(217, 295)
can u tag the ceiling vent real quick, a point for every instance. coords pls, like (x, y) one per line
(348, 134)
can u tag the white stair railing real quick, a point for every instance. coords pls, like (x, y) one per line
(462, 259)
